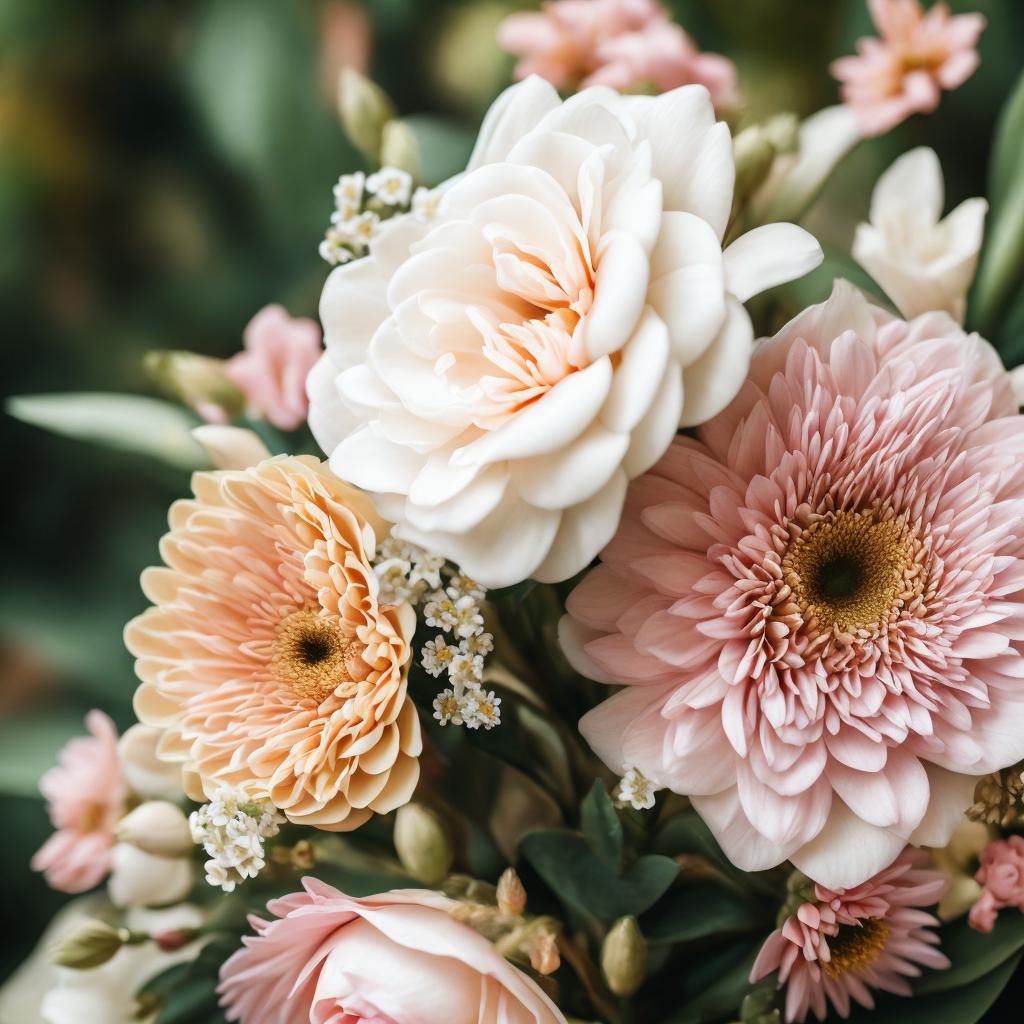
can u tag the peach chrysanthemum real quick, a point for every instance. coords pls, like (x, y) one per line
(268, 660)
(817, 604)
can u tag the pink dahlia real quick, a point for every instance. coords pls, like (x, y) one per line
(625, 44)
(1002, 875)
(817, 604)
(904, 72)
(841, 944)
(86, 796)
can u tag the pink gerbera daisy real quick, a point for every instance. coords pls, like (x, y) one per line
(817, 605)
(840, 944)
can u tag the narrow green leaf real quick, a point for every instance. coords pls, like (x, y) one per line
(131, 423)
(701, 910)
(601, 826)
(1008, 148)
(973, 953)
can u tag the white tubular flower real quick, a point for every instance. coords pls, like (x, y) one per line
(391, 185)
(635, 790)
(923, 262)
(497, 376)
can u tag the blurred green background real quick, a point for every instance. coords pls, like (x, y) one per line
(165, 171)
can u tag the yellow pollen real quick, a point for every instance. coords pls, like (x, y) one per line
(856, 947)
(92, 818)
(311, 655)
(852, 570)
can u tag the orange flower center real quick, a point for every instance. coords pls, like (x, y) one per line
(856, 947)
(311, 655)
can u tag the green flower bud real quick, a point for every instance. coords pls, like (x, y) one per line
(91, 944)
(399, 148)
(422, 844)
(364, 108)
(194, 380)
(624, 957)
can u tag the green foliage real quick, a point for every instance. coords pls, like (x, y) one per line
(187, 993)
(698, 911)
(602, 827)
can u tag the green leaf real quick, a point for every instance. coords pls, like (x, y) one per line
(974, 953)
(131, 423)
(1008, 148)
(700, 910)
(965, 1005)
(601, 826)
(567, 863)
(717, 984)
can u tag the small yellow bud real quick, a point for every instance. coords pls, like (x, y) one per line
(91, 944)
(158, 827)
(511, 895)
(422, 844)
(364, 108)
(194, 380)
(399, 148)
(543, 951)
(624, 957)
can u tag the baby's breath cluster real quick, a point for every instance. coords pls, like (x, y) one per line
(363, 202)
(405, 571)
(231, 829)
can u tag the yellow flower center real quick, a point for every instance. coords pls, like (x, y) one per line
(856, 947)
(311, 655)
(852, 570)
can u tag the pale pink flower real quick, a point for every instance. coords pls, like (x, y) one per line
(332, 959)
(86, 798)
(904, 72)
(1002, 875)
(271, 371)
(817, 604)
(842, 944)
(624, 44)
(267, 660)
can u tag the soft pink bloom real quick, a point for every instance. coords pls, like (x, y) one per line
(817, 604)
(332, 959)
(86, 798)
(844, 943)
(271, 372)
(624, 44)
(904, 72)
(1002, 875)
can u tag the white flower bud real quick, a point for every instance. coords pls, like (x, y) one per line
(140, 879)
(158, 827)
(145, 773)
(231, 447)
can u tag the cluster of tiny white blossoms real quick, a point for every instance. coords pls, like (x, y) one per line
(451, 603)
(362, 203)
(231, 829)
(635, 790)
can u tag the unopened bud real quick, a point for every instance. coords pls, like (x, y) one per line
(158, 827)
(399, 148)
(364, 108)
(197, 381)
(91, 944)
(511, 894)
(758, 1008)
(422, 844)
(543, 951)
(624, 957)
(176, 939)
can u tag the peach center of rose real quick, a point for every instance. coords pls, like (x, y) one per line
(856, 946)
(311, 655)
(851, 570)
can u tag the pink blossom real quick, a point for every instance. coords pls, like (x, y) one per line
(1002, 875)
(332, 959)
(86, 798)
(271, 372)
(624, 44)
(816, 604)
(841, 944)
(904, 72)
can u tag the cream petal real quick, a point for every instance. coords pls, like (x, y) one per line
(910, 192)
(639, 374)
(747, 848)
(465, 509)
(653, 434)
(511, 116)
(620, 293)
(352, 307)
(330, 418)
(712, 382)
(767, 256)
(950, 794)
(370, 461)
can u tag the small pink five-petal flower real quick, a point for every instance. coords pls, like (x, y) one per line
(271, 371)
(904, 72)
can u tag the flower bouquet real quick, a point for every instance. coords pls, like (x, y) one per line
(593, 628)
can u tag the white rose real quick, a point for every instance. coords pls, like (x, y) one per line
(924, 263)
(106, 994)
(498, 375)
(140, 879)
